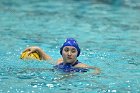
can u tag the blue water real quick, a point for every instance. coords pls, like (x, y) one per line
(106, 30)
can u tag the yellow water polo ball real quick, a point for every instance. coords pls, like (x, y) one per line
(34, 55)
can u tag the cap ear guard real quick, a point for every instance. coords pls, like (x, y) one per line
(71, 42)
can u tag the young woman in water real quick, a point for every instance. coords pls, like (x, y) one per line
(69, 62)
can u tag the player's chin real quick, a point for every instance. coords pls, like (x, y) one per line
(70, 60)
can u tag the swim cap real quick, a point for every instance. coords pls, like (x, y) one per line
(70, 42)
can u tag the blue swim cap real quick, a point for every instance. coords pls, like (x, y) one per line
(70, 42)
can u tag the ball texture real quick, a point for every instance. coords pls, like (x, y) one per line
(34, 55)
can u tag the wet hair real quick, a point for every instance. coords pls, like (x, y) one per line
(70, 42)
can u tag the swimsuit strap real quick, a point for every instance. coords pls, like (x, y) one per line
(75, 63)
(68, 67)
(69, 64)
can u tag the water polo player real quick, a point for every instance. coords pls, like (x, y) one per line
(69, 62)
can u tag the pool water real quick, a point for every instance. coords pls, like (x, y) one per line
(106, 30)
